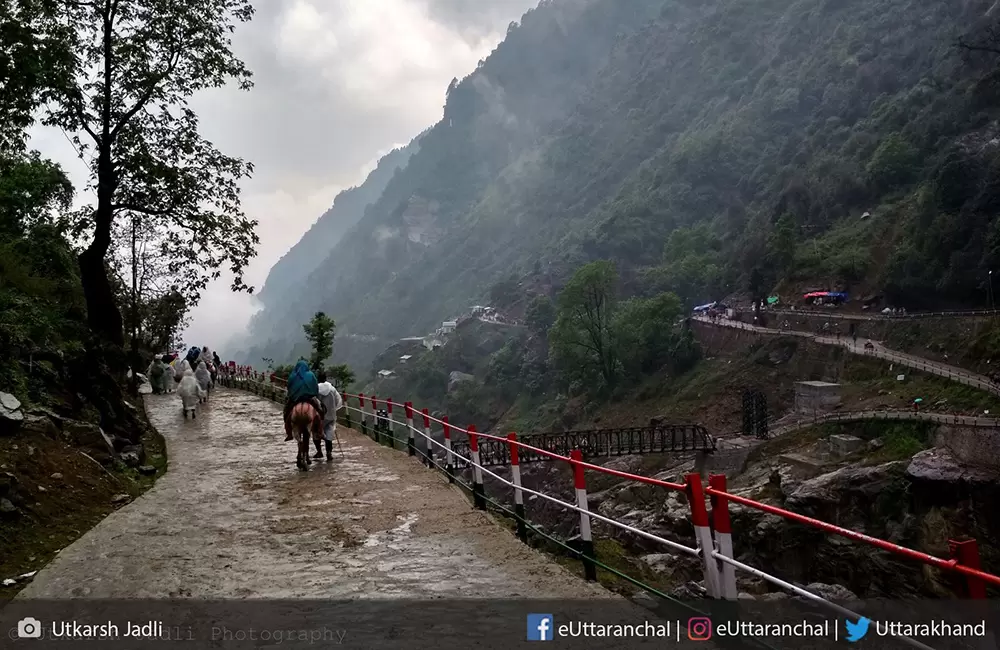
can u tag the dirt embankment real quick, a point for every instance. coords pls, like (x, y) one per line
(60, 477)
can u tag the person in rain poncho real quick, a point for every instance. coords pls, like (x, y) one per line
(332, 402)
(189, 390)
(192, 356)
(203, 377)
(169, 383)
(302, 387)
(157, 373)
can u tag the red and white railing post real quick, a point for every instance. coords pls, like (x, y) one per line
(586, 538)
(449, 467)
(428, 445)
(390, 423)
(699, 517)
(411, 447)
(966, 553)
(723, 531)
(478, 494)
(515, 478)
(364, 414)
(375, 425)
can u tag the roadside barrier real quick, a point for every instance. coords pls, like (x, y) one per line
(712, 541)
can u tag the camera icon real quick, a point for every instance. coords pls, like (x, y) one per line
(29, 628)
(699, 628)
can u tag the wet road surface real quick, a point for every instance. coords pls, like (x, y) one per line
(233, 518)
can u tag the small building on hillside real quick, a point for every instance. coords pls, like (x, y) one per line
(385, 373)
(405, 358)
(448, 326)
(813, 397)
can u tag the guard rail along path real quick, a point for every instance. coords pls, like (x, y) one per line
(712, 542)
(878, 351)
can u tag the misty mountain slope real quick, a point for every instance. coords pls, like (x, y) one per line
(347, 210)
(527, 85)
(725, 144)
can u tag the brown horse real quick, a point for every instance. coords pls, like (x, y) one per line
(304, 417)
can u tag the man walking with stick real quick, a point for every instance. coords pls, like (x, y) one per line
(333, 402)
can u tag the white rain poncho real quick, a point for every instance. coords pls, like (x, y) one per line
(203, 376)
(189, 389)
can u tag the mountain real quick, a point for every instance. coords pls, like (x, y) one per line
(348, 209)
(707, 146)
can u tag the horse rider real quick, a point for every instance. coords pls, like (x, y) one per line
(302, 387)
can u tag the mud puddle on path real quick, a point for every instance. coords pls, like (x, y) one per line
(233, 518)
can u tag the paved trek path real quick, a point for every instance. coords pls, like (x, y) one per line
(880, 351)
(233, 518)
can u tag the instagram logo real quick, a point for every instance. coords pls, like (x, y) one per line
(699, 628)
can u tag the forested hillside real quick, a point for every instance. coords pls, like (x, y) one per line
(706, 146)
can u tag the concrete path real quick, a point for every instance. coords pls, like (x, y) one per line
(880, 351)
(233, 518)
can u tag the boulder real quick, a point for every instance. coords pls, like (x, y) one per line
(91, 439)
(833, 487)
(834, 593)
(938, 465)
(8, 484)
(40, 425)
(147, 470)
(133, 455)
(11, 415)
(44, 412)
(662, 563)
(8, 510)
(456, 377)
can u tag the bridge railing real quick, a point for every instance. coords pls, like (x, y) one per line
(713, 534)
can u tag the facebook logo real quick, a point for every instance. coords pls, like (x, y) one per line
(540, 627)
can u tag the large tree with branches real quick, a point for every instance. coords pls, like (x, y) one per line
(125, 108)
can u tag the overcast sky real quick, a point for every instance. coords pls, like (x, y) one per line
(338, 83)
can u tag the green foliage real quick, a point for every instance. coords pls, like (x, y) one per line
(41, 301)
(893, 164)
(647, 336)
(596, 339)
(341, 376)
(540, 315)
(30, 188)
(35, 55)
(320, 332)
(582, 339)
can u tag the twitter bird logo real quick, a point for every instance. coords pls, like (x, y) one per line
(857, 631)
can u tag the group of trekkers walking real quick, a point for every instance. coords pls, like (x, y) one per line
(167, 371)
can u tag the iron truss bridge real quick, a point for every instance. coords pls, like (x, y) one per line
(596, 443)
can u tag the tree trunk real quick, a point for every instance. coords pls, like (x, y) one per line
(103, 315)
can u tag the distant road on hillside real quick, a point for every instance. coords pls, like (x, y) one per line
(878, 351)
